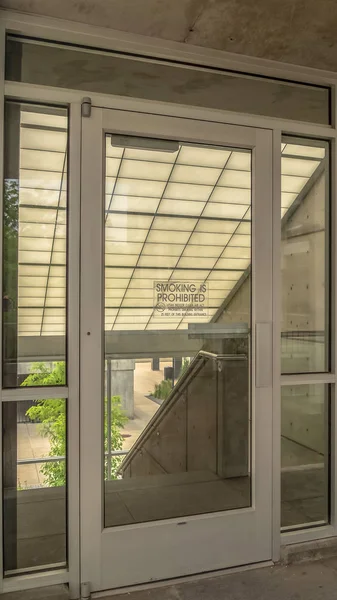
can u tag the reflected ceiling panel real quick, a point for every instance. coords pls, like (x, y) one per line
(181, 216)
(197, 226)
(299, 163)
(187, 224)
(42, 223)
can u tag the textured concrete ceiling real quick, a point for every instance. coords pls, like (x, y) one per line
(301, 32)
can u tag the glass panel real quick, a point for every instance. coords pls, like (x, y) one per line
(34, 263)
(34, 485)
(177, 340)
(305, 255)
(90, 70)
(305, 454)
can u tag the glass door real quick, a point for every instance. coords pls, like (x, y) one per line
(176, 347)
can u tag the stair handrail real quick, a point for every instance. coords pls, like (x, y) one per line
(195, 365)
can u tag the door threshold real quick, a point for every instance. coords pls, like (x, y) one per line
(177, 580)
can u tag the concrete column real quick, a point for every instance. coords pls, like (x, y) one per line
(177, 365)
(122, 383)
(155, 364)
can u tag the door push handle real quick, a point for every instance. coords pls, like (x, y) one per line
(263, 355)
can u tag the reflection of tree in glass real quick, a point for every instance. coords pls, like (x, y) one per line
(51, 414)
(10, 249)
(163, 389)
(11, 203)
(118, 419)
(10, 281)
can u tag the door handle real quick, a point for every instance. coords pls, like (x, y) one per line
(263, 355)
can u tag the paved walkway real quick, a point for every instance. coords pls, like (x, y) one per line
(31, 444)
(306, 581)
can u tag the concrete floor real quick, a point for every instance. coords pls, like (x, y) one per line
(306, 581)
(143, 499)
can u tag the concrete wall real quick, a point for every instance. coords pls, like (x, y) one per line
(303, 263)
(304, 277)
(202, 427)
(238, 309)
(303, 309)
(303, 251)
(303, 273)
(305, 416)
(114, 74)
(301, 32)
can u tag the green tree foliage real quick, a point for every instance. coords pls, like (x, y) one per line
(185, 365)
(10, 248)
(118, 420)
(163, 389)
(51, 414)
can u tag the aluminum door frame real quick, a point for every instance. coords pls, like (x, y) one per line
(115, 557)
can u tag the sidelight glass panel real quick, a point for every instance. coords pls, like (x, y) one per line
(57, 65)
(305, 455)
(34, 485)
(35, 244)
(177, 331)
(305, 256)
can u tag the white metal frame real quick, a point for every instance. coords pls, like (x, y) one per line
(329, 530)
(121, 546)
(71, 391)
(59, 30)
